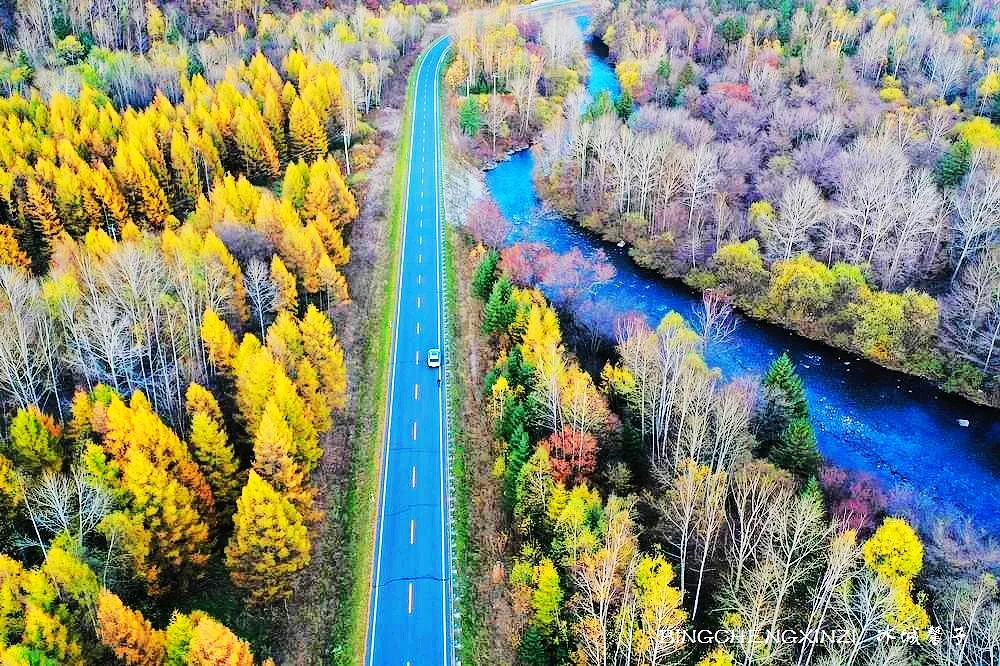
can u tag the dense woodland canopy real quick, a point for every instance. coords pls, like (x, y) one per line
(175, 218)
(830, 167)
(657, 498)
(826, 166)
(508, 75)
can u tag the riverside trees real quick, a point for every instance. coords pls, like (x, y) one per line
(681, 523)
(501, 67)
(738, 136)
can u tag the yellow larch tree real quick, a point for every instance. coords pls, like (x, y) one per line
(11, 253)
(270, 544)
(128, 635)
(324, 351)
(288, 293)
(272, 452)
(306, 136)
(214, 644)
(220, 343)
(211, 450)
(328, 193)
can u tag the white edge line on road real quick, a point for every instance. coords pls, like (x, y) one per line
(443, 395)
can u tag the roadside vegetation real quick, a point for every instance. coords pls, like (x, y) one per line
(178, 216)
(626, 504)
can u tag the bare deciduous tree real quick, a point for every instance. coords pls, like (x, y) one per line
(261, 292)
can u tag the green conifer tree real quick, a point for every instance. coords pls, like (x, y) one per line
(531, 651)
(499, 312)
(781, 375)
(470, 116)
(953, 166)
(518, 453)
(485, 278)
(796, 451)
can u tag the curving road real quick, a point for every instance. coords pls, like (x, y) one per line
(410, 611)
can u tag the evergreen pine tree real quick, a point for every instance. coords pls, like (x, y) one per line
(796, 450)
(518, 453)
(531, 651)
(953, 166)
(781, 375)
(470, 116)
(623, 105)
(499, 312)
(686, 77)
(482, 283)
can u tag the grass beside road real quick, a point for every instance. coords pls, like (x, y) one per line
(350, 627)
(469, 630)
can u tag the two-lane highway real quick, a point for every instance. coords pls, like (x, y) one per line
(409, 623)
(410, 615)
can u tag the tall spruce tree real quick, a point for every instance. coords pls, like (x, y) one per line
(485, 278)
(954, 164)
(531, 651)
(796, 451)
(500, 311)
(518, 453)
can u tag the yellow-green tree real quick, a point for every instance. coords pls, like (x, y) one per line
(272, 451)
(35, 441)
(270, 544)
(211, 450)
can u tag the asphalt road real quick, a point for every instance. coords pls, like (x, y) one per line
(410, 615)
(409, 622)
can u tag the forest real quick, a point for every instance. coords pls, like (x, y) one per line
(178, 191)
(826, 167)
(508, 77)
(650, 512)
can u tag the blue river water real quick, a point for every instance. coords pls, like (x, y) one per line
(901, 429)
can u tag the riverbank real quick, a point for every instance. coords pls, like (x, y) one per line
(947, 372)
(867, 418)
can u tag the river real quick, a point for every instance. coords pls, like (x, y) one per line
(901, 429)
